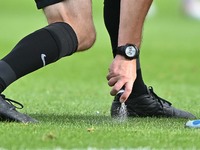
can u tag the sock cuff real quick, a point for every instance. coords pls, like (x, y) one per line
(65, 37)
(7, 74)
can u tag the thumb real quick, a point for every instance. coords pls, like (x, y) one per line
(126, 93)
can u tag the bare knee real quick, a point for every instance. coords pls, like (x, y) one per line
(87, 39)
(79, 18)
(85, 31)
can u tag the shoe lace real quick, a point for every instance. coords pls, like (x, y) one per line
(10, 101)
(159, 99)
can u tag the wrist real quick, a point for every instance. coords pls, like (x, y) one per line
(120, 58)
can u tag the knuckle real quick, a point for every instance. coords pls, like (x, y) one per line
(128, 89)
(117, 86)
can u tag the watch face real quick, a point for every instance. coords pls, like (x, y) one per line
(130, 51)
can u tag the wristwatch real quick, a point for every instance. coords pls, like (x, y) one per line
(129, 51)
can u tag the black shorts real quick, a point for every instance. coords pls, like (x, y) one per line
(44, 3)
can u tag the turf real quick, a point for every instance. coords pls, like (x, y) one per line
(71, 97)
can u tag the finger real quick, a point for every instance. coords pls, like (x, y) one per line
(127, 92)
(118, 86)
(112, 81)
(109, 76)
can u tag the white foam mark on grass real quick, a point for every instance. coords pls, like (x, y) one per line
(122, 116)
(122, 113)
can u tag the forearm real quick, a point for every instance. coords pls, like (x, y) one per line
(132, 16)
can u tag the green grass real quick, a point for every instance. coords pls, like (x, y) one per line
(66, 95)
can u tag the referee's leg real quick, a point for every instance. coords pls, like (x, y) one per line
(78, 14)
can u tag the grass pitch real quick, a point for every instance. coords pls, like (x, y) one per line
(71, 97)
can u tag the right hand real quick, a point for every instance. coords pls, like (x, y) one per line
(122, 74)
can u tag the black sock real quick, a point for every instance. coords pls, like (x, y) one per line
(111, 19)
(36, 50)
(139, 87)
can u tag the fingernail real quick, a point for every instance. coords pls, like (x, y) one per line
(122, 100)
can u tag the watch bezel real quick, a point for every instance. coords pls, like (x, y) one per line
(122, 50)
